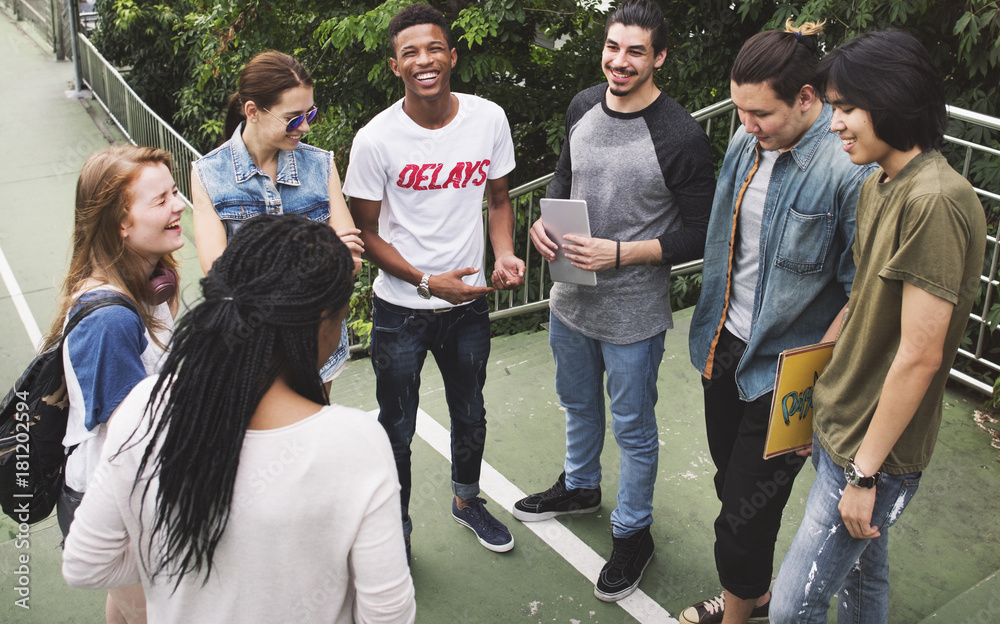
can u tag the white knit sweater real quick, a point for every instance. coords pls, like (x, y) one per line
(314, 533)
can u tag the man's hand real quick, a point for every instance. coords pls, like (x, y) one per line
(855, 508)
(591, 254)
(805, 452)
(351, 237)
(508, 273)
(450, 287)
(542, 242)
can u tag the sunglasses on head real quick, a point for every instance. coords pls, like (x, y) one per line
(295, 122)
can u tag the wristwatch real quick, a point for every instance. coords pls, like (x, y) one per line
(423, 288)
(855, 477)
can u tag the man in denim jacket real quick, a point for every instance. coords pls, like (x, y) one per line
(778, 270)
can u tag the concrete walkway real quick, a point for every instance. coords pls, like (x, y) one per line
(945, 551)
(45, 138)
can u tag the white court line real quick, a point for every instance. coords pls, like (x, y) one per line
(552, 532)
(27, 319)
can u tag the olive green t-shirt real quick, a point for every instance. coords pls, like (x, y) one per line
(926, 227)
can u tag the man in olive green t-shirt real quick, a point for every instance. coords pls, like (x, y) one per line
(919, 245)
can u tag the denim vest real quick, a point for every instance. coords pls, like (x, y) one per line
(240, 190)
(806, 262)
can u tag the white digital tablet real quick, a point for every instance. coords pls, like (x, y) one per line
(561, 217)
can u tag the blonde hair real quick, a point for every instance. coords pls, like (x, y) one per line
(103, 198)
(806, 29)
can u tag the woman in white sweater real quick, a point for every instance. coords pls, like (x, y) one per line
(227, 486)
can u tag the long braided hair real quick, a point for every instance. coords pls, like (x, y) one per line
(265, 298)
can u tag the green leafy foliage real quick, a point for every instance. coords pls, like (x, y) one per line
(361, 306)
(183, 56)
(684, 290)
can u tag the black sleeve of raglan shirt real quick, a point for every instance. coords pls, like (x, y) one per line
(562, 182)
(685, 158)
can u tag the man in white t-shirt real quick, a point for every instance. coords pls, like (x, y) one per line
(416, 180)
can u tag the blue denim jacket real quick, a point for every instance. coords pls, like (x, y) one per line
(806, 262)
(240, 190)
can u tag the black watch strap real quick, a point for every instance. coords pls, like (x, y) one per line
(854, 476)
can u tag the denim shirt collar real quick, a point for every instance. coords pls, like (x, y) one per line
(804, 151)
(246, 169)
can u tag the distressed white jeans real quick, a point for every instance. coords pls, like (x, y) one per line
(824, 559)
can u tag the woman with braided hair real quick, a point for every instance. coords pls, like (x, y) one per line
(228, 486)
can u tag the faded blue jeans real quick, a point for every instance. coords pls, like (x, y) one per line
(581, 363)
(339, 357)
(824, 559)
(459, 339)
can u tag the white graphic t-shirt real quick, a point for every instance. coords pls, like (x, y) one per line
(431, 184)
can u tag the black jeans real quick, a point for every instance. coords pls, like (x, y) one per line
(753, 491)
(459, 339)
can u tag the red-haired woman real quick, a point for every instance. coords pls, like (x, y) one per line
(127, 225)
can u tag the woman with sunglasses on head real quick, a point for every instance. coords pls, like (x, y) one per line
(229, 486)
(126, 226)
(264, 168)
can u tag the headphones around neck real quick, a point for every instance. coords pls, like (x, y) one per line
(162, 284)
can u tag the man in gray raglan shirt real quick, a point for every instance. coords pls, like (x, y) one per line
(644, 167)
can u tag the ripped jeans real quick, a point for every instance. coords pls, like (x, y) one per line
(824, 559)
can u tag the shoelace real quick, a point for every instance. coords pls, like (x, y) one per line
(623, 552)
(477, 507)
(715, 605)
(555, 491)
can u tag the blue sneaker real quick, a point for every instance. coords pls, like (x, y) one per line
(491, 533)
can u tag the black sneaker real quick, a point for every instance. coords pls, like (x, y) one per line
(622, 573)
(557, 501)
(711, 612)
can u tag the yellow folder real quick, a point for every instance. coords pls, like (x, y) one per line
(790, 428)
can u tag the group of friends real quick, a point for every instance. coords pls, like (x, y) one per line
(226, 488)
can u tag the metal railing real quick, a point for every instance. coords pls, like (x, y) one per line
(967, 151)
(140, 124)
(145, 127)
(49, 18)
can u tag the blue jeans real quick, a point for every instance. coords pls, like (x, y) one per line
(825, 559)
(459, 339)
(581, 363)
(338, 358)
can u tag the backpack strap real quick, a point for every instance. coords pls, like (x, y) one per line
(91, 306)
